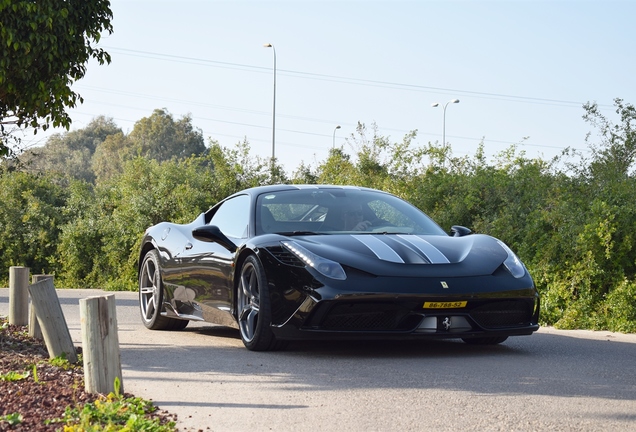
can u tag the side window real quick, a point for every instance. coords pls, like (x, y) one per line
(233, 216)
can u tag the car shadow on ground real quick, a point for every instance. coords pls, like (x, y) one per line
(578, 367)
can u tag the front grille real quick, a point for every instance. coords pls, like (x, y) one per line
(368, 317)
(511, 313)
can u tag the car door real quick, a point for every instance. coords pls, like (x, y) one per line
(208, 266)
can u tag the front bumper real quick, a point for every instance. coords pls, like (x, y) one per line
(405, 318)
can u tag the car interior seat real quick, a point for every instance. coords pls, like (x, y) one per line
(267, 221)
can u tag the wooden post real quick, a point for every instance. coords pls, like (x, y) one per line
(49, 313)
(35, 331)
(100, 344)
(19, 295)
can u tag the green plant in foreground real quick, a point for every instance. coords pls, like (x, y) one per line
(61, 362)
(114, 413)
(35, 374)
(13, 419)
(14, 376)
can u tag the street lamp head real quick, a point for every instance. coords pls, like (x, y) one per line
(268, 45)
(455, 101)
(436, 104)
(333, 145)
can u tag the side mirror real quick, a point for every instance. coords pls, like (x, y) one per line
(460, 231)
(212, 234)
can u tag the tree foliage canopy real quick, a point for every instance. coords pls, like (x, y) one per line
(161, 138)
(44, 48)
(72, 152)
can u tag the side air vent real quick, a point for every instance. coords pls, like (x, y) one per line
(285, 256)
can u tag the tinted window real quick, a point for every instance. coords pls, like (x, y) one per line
(233, 216)
(325, 210)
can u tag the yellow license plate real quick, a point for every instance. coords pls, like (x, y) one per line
(445, 305)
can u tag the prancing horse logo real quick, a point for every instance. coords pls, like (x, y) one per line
(447, 323)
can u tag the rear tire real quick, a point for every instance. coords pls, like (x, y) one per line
(253, 307)
(151, 296)
(493, 340)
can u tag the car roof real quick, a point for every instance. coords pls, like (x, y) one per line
(283, 187)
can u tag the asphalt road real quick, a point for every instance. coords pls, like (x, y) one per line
(553, 380)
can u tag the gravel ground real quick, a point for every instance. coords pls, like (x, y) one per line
(44, 396)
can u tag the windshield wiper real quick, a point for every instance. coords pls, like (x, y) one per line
(297, 233)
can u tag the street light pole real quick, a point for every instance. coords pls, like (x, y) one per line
(333, 145)
(269, 45)
(436, 104)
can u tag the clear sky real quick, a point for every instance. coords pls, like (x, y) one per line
(521, 69)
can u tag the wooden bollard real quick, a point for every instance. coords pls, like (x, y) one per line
(35, 331)
(100, 344)
(52, 322)
(19, 295)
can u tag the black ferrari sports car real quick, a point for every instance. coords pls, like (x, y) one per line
(291, 262)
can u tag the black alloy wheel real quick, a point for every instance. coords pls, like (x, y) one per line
(151, 296)
(254, 309)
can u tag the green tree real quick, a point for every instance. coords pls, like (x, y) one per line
(162, 138)
(109, 158)
(234, 169)
(304, 174)
(337, 169)
(378, 162)
(584, 261)
(71, 153)
(614, 156)
(30, 219)
(99, 245)
(44, 48)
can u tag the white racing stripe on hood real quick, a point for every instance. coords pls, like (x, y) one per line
(379, 248)
(430, 252)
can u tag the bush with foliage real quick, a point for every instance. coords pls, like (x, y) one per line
(571, 223)
(30, 221)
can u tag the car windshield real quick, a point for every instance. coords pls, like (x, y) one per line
(335, 211)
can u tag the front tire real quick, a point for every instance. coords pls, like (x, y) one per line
(151, 296)
(254, 309)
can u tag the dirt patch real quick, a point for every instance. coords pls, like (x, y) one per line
(42, 393)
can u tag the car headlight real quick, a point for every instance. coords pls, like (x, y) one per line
(513, 263)
(324, 266)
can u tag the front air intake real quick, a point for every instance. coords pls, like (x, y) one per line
(501, 314)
